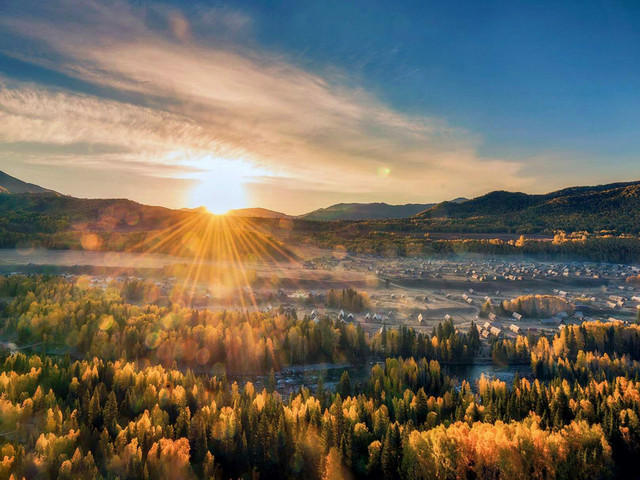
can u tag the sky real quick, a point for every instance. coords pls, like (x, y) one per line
(295, 105)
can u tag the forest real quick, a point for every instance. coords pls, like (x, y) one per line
(359, 239)
(74, 318)
(126, 390)
(531, 306)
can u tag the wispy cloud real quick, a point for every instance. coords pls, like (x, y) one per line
(203, 95)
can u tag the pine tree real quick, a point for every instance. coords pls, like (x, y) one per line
(320, 393)
(110, 413)
(390, 457)
(271, 381)
(344, 387)
(422, 408)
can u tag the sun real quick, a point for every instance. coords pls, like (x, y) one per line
(222, 187)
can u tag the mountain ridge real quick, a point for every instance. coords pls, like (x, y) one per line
(256, 212)
(607, 207)
(614, 206)
(368, 211)
(12, 185)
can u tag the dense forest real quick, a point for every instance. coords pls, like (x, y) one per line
(125, 390)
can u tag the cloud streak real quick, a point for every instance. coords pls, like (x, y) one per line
(206, 98)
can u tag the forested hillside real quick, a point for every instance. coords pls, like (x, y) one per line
(613, 207)
(63, 222)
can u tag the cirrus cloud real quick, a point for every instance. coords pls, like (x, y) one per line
(180, 99)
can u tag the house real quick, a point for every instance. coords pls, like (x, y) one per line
(550, 321)
(420, 319)
(514, 328)
(517, 316)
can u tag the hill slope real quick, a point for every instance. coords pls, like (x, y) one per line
(57, 221)
(256, 213)
(604, 207)
(366, 211)
(9, 184)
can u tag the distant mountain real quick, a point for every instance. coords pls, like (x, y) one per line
(256, 213)
(31, 213)
(614, 206)
(365, 211)
(9, 184)
(369, 211)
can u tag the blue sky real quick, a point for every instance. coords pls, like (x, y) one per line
(525, 75)
(293, 105)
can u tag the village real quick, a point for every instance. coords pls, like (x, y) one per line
(415, 292)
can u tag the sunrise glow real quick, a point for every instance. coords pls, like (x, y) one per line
(223, 187)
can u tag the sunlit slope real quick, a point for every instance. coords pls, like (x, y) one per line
(606, 207)
(55, 221)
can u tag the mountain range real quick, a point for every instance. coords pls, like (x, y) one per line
(369, 211)
(28, 208)
(340, 211)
